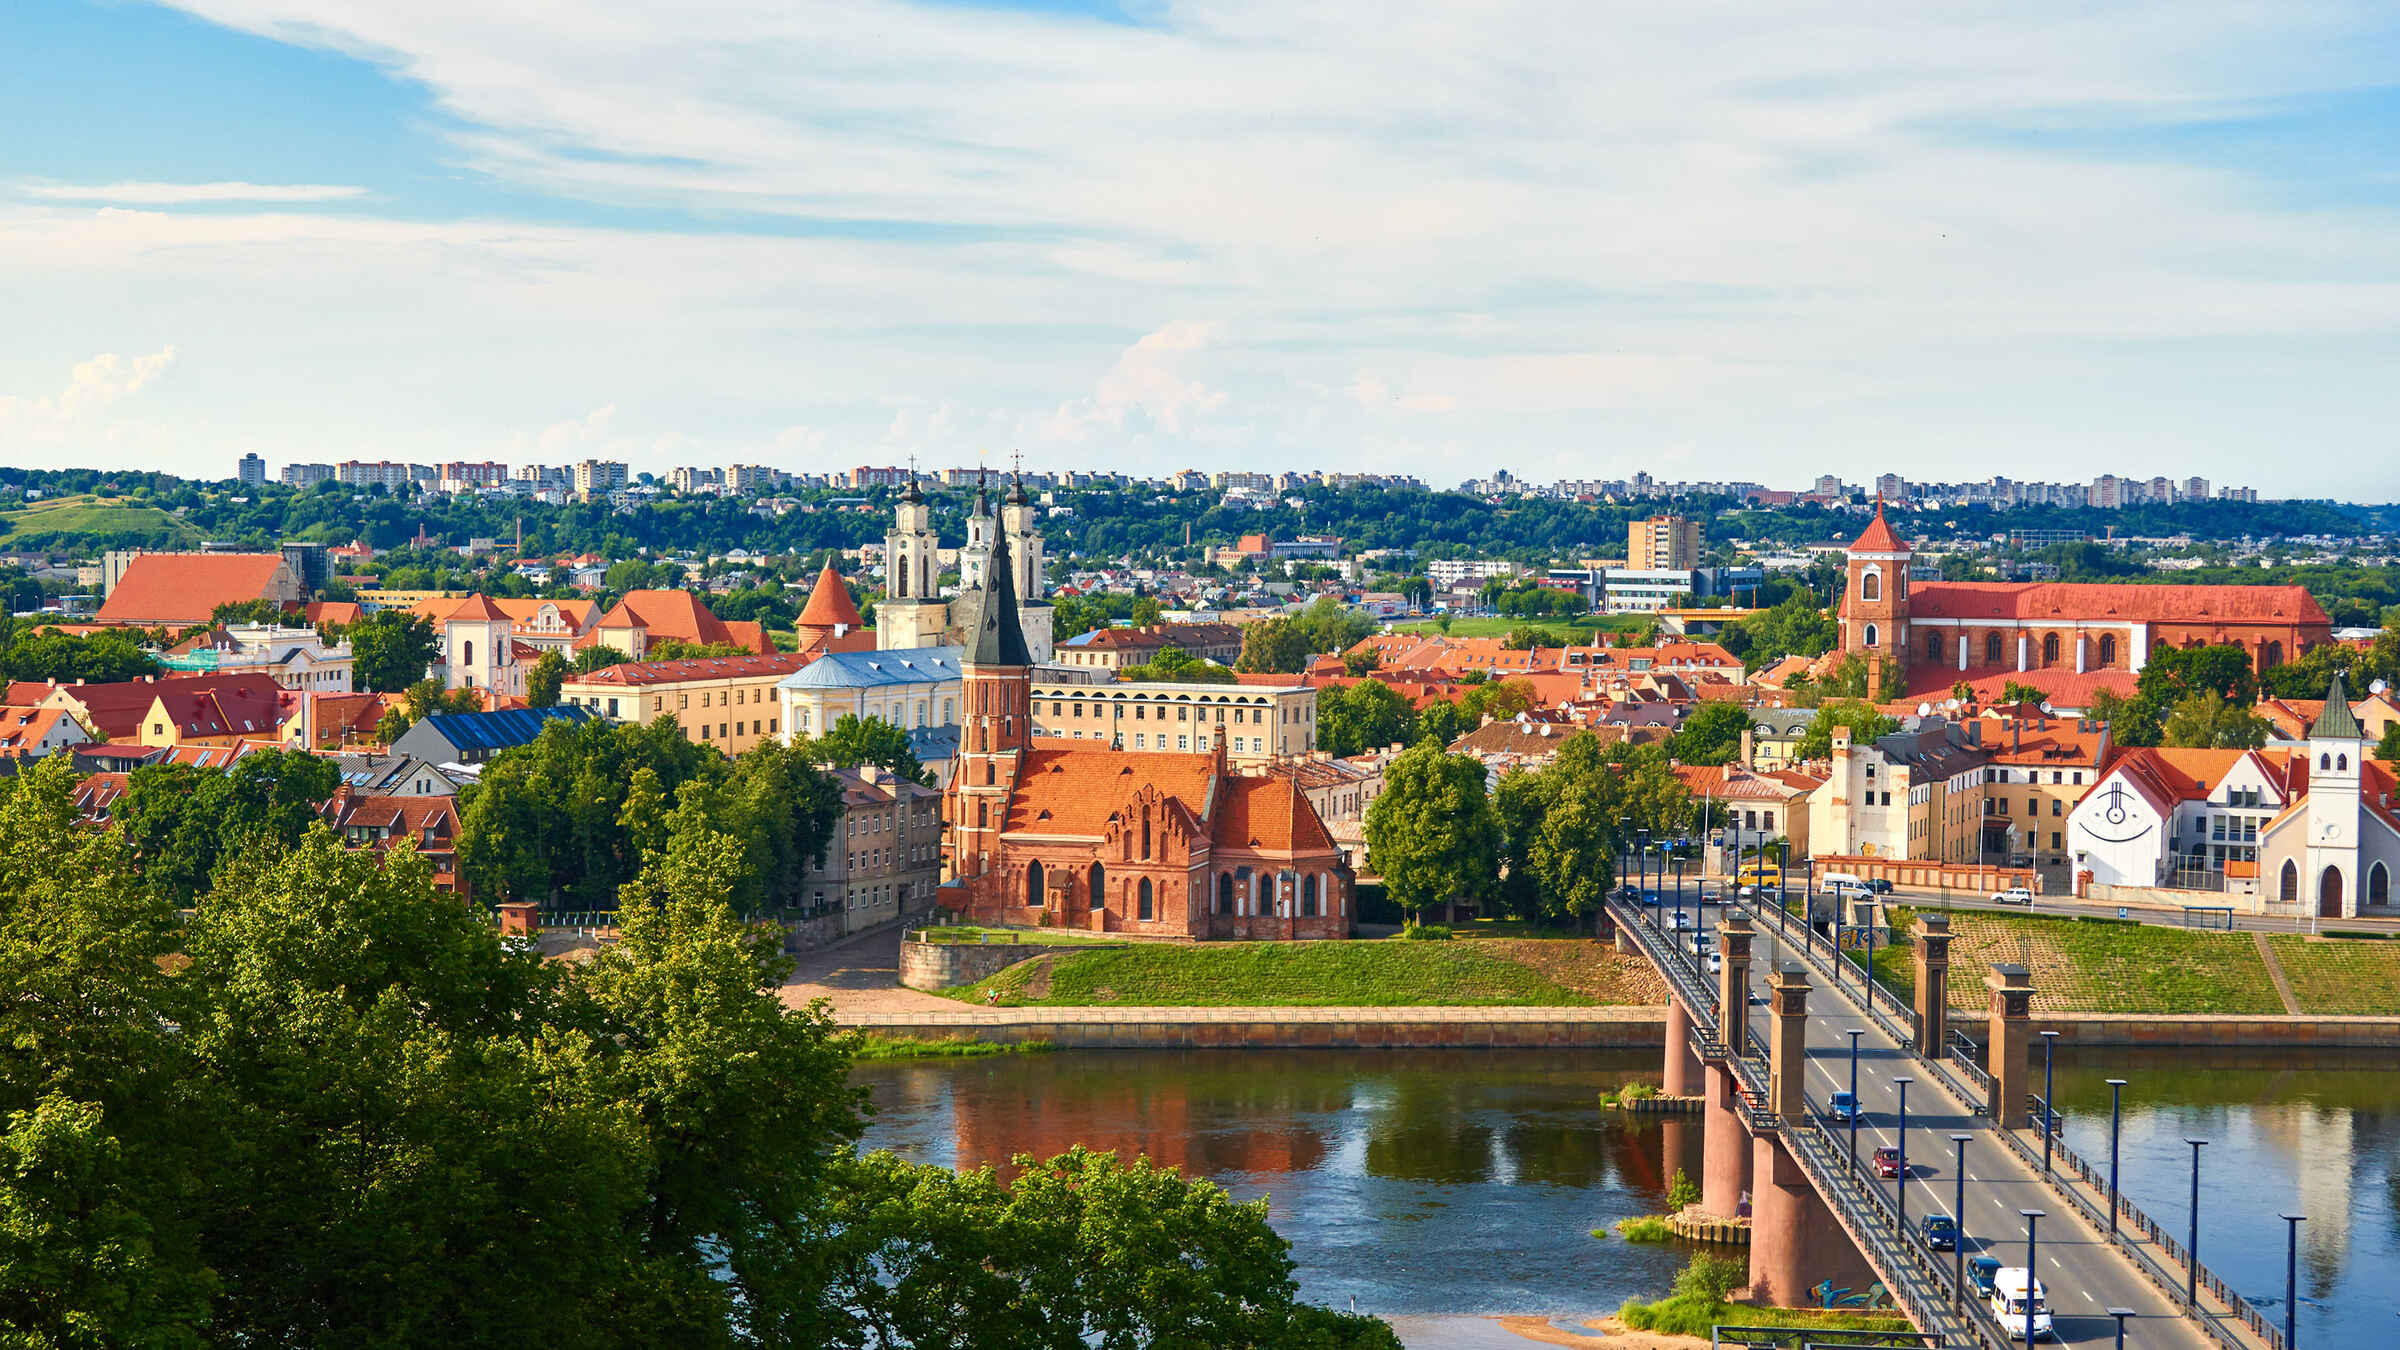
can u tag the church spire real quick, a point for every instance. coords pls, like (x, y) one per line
(997, 639)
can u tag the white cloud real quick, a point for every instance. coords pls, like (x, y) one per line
(92, 386)
(185, 194)
(579, 437)
(1145, 390)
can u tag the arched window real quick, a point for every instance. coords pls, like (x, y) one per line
(1870, 585)
(1144, 892)
(1145, 835)
(1033, 883)
(2341, 763)
(2270, 656)
(983, 813)
(1308, 896)
(2288, 887)
(2108, 651)
(988, 771)
(2050, 649)
(2324, 762)
(466, 652)
(1872, 637)
(2379, 886)
(1991, 649)
(1098, 895)
(1933, 646)
(1225, 892)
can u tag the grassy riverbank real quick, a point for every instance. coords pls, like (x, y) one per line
(868, 1048)
(1698, 1304)
(1388, 974)
(2091, 966)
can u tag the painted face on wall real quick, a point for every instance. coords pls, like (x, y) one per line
(2116, 821)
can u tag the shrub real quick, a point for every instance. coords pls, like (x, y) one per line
(1681, 1192)
(1642, 1228)
(1710, 1278)
(2353, 934)
(1426, 932)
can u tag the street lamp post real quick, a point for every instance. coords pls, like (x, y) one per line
(2033, 1218)
(1958, 1216)
(2116, 1098)
(2191, 1243)
(1854, 1033)
(1783, 885)
(2049, 1113)
(2291, 1278)
(1902, 1137)
(2120, 1314)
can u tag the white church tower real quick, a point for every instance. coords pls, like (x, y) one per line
(912, 612)
(2336, 746)
(975, 556)
(1025, 564)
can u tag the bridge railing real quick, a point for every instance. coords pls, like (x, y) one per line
(2130, 1215)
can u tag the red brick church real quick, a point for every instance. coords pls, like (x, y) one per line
(1107, 840)
(1941, 632)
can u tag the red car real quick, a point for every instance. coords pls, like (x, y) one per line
(1887, 1161)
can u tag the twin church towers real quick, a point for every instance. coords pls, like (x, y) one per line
(913, 613)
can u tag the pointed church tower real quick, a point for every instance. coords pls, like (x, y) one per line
(1025, 549)
(912, 612)
(2337, 746)
(1875, 602)
(975, 556)
(829, 613)
(996, 728)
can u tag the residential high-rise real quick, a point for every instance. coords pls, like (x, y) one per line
(1662, 543)
(599, 475)
(252, 470)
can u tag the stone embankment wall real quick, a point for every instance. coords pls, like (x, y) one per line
(947, 965)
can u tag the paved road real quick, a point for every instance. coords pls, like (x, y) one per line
(2055, 905)
(2082, 1273)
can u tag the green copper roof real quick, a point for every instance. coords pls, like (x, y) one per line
(2337, 722)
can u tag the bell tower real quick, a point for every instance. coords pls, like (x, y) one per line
(1025, 549)
(996, 724)
(912, 613)
(2336, 746)
(1874, 607)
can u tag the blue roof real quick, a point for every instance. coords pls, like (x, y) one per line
(502, 729)
(856, 670)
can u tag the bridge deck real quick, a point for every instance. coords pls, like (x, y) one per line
(2085, 1273)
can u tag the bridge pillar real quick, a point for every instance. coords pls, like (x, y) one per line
(1787, 1049)
(1625, 943)
(1725, 1156)
(1682, 1063)
(1933, 982)
(2004, 1043)
(1795, 1241)
(1733, 981)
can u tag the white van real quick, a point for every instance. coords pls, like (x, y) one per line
(1845, 886)
(2008, 1303)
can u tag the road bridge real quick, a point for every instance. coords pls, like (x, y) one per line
(1766, 1055)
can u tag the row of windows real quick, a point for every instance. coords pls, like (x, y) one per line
(766, 728)
(1061, 708)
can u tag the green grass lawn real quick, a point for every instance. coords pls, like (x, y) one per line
(1497, 626)
(2097, 967)
(87, 515)
(2341, 977)
(1279, 974)
(1043, 937)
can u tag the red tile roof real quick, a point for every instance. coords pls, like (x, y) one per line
(114, 711)
(1269, 813)
(829, 602)
(1076, 791)
(2065, 601)
(2062, 688)
(637, 673)
(176, 589)
(678, 616)
(1879, 537)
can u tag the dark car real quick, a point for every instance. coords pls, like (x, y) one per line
(1941, 1232)
(1982, 1270)
(1887, 1161)
(1880, 886)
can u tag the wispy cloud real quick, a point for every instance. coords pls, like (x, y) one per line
(91, 387)
(189, 194)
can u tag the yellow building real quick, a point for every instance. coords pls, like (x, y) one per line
(725, 701)
(1662, 543)
(1261, 721)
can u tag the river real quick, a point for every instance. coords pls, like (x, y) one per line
(1443, 1189)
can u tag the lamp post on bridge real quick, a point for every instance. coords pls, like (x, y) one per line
(1854, 1033)
(2049, 1112)
(2033, 1218)
(2291, 1278)
(1958, 1216)
(2116, 1098)
(2191, 1244)
(1902, 1137)
(2120, 1314)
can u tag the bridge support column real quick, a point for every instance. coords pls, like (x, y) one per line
(1795, 1241)
(1682, 1069)
(1626, 945)
(1787, 1049)
(1933, 982)
(1725, 1157)
(2005, 1041)
(1733, 982)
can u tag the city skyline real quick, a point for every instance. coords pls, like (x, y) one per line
(1147, 238)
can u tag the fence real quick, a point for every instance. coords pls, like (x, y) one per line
(2208, 916)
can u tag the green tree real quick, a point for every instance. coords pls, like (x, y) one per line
(853, 741)
(1794, 626)
(1860, 717)
(2205, 719)
(1712, 734)
(1361, 661)
(1174, 664)
(2387, 748)
(543, 681)
(1272, 646)
(391, 650)
(1432, 833)
(36, 651)
(183, 822)
(1366, 716)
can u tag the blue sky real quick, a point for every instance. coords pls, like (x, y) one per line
(2044, 240)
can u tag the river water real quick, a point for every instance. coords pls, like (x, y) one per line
(1444, 1189)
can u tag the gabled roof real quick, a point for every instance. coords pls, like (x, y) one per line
(114, 711)
(2114, 602)
(637, 673)
(829, 603)
(872, 669)
(678, 616)
(1075, 791)
(227, 710)
(176, 589)
(2337, 722)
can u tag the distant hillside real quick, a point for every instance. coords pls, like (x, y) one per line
(92, 523)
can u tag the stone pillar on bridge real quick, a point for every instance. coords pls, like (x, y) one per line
(1795, 1240)
(1725, 1156)
(1625, 943)
(2005, 1042)
(1682, 1068)
(1733, 981)
(1933, 983)
(1787, 1049)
